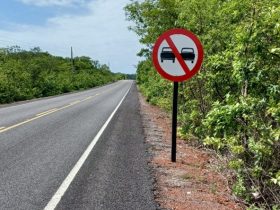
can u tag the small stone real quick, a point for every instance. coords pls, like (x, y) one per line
(256, 195)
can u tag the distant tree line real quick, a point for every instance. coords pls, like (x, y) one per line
(131, 76)
(126, 76)
(233, 104)
(27, 74)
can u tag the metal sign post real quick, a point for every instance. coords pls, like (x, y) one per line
(174, 122)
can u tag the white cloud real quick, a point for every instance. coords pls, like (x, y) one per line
(101, 34)
(52, 2)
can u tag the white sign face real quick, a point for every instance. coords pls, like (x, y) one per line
(186, 47)
(178, 55)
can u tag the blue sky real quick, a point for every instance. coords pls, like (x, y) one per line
(95, 28)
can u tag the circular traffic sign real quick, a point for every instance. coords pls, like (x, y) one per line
(178, 55)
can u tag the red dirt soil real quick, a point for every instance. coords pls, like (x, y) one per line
(191, 183)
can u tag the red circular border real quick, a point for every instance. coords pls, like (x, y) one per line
(197, 65)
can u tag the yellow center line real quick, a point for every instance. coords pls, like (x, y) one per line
(75, 102)
(3, 129)
(16, 125)
(42, 115)
(47, 112)
(87, 98)
(64, 107)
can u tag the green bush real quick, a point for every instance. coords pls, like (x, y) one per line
(30, 74)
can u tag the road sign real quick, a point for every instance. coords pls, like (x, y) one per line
(178, 55)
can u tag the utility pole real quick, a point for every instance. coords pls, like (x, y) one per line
(72, 59)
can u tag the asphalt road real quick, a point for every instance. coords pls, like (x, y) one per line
(43, 142)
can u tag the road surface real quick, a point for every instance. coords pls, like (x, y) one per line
(78, 151)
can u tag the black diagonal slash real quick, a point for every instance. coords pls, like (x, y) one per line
(178, 55)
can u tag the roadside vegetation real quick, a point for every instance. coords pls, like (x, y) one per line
(233, 104)
(32, 74)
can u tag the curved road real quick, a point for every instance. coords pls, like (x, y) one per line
(78, 151)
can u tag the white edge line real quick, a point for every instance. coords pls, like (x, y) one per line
(67, 181)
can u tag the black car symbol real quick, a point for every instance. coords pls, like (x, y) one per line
(167, 54)
(186, 53)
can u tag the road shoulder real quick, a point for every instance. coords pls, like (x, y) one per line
(191, 183)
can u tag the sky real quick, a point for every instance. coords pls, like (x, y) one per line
(94, 28)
